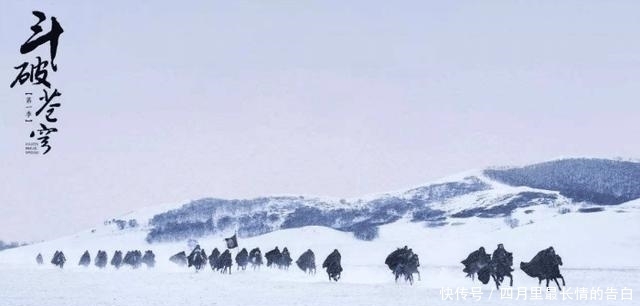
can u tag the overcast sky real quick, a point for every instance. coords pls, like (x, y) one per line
(168, 101)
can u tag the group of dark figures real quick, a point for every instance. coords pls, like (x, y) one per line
(544, 266)
(275, 258)
(133, 258)
(402, 262)
(218, 261)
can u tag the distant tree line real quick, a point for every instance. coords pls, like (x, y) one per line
(597, 181)
(122, 224)
(10, 245)
(262, 215)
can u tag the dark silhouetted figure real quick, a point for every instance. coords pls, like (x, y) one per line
(242, 259)
(197, 258)
(273, 257)
(213, 258)
(285, 259)
(101, 259)
(133, 259)
(333, 266)
(224, 262)
(544, 266)
(501, 265)
(478, 263)
(204, 255)
(85, 260)
(39, 259)
(307, 262)
(58, 259)
(149, 259)
(255, 258)
(179, 259)
(116, 260)
(403, 262)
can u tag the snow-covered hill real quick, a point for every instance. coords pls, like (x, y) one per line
(566, 186)
(607, 239)
(453, 215)
(442, 221)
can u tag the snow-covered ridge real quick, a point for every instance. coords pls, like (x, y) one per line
(578, 185)
(446, 203)
(442, 221)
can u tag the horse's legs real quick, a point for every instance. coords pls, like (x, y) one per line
(561, 277)
(547, 283)
(556, 280)
(510, 279)
(495, 279)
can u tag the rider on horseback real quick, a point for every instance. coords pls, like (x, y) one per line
(500, 256)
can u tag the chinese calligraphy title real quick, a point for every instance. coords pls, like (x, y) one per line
(36, 73)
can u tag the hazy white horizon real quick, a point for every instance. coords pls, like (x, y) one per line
(163, 102)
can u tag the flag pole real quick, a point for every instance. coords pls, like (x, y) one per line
(235, 234)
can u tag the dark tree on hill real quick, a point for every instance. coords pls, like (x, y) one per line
(101, 259)
(116, 260)
(85, 260)
(39, 259)
(149, 259)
